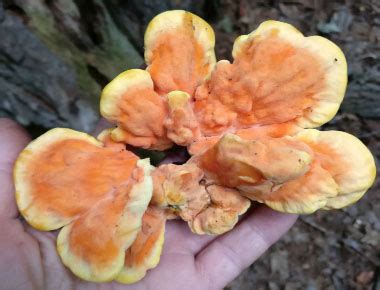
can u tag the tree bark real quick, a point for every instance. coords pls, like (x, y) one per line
(56, 56)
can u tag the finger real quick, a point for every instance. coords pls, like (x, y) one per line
(176, 265)
(180, 240)
(101, 125)
(13, 139)
(227, 256)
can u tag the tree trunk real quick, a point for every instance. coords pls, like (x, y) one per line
(55, 56)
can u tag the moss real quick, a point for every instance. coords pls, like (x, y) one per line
(114, 54)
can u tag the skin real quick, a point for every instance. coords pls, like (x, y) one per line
(28, 258)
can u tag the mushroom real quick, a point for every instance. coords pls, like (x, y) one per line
(295, 174)
(96, 192)
(278, 83)
(279, 87)
(145, 252)
(249, 126)
(206, 207)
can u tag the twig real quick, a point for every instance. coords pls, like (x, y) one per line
(344, 242)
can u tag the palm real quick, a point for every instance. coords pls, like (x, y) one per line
(28, 258)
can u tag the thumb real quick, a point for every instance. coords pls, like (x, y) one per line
(13, 138)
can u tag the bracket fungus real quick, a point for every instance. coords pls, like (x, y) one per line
(249, 126)
(206, 207)
(96, 192)
(280, 85)
(296, 174)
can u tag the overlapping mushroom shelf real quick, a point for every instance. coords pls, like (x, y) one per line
(248, 125)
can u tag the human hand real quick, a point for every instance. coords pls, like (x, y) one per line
(28, 258)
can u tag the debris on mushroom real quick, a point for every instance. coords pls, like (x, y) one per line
(222, 214)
